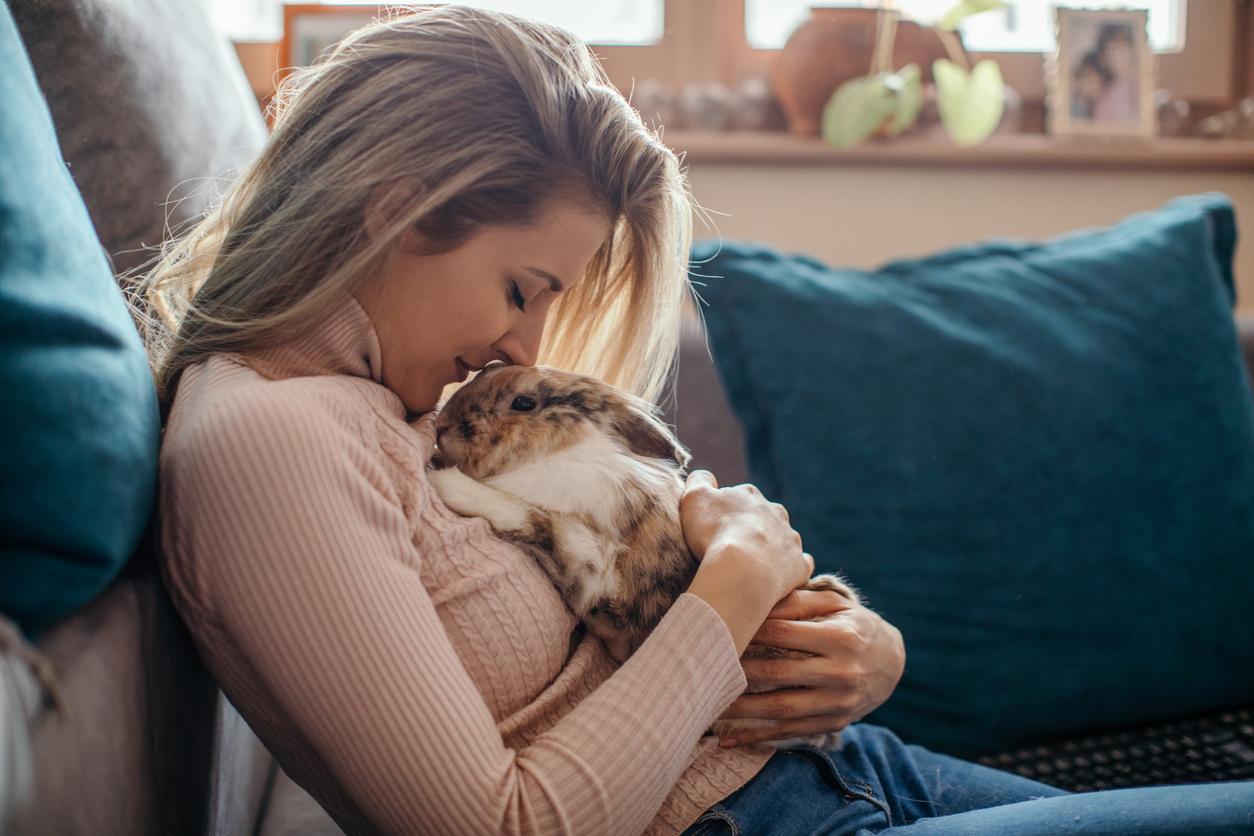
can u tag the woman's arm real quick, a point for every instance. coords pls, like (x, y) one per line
(288, 558)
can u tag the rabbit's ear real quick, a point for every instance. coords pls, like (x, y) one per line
(645, 435)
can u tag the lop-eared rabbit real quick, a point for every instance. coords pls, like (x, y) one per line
(585, 479)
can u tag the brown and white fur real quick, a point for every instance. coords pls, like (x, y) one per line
(585, 479)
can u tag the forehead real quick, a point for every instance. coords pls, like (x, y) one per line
(562, 240)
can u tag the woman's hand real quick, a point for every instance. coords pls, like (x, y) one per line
(750, 556)
(859, 659)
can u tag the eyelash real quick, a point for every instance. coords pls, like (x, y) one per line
(517, 297)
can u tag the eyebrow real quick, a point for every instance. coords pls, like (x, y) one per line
(555, 284)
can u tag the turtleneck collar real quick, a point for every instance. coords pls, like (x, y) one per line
(342, 342)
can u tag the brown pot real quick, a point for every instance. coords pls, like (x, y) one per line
(833, 46)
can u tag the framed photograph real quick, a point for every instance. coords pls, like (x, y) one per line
(1101, 79)
(310, 28)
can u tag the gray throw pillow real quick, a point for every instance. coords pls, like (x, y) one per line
(149, 105)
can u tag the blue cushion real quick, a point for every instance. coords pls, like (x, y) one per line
(78, 419)
(1037, 460)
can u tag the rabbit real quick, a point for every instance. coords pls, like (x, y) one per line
(586, 480)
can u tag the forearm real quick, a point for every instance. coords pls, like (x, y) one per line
(632, 738)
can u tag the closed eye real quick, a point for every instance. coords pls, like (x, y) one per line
(516, 297)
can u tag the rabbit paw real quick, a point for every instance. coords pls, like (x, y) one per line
(463, 495)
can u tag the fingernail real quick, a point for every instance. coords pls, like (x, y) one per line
(728, 742)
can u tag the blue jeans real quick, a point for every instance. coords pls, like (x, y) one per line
(876, 783)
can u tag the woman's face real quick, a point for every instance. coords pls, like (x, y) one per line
(440, 317)
(1119, 57)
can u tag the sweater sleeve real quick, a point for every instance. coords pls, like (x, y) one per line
(283, 536)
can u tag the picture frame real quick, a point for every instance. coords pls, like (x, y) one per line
(1100, 79)
(310, 28)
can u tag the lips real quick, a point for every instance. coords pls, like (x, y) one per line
(464, 369)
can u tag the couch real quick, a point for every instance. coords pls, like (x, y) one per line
(144, 101)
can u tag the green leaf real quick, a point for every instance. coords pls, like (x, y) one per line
(970, 104)
(856, 110)
(964, 9)
(907, 85)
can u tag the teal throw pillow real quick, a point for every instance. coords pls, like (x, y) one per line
(1036, 459)
(78, 418)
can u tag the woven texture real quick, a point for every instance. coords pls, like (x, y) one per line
(412, 671)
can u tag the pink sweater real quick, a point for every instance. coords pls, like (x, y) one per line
(413, 672)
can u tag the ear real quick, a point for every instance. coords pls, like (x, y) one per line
(385, 205)
(645, 435)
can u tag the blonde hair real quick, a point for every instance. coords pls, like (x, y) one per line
(460, 118)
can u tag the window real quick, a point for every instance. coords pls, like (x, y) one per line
(603, 22)
(1022, 26)
(678, 41)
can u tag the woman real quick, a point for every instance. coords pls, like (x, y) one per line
(448, 190)
(1116, 54)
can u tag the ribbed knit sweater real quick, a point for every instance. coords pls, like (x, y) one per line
(413, 672)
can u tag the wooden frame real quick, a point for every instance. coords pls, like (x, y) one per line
(1100, 79)
(712, 35)
(705, 41)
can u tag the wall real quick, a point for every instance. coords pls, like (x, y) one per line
(863, 216)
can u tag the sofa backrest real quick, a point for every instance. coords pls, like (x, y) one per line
(705, 422)
(149, 106)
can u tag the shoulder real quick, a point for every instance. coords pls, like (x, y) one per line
(225, 413)
(253, 470)
(279, 476)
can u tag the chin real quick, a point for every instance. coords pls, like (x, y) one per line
(421, 399)
(420, 393)
(421, 406)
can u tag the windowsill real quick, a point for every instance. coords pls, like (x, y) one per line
(1002, 151)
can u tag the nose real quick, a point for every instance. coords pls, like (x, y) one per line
(522, 341)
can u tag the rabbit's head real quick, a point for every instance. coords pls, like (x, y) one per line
(509, 416)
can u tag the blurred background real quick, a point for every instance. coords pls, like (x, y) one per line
(739, 87)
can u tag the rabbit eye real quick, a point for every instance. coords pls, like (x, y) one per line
(522, 403)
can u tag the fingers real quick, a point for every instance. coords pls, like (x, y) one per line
(802, 604)
(809, 671)
(783, 730)
(742, 519)
(803, 568)
(822, 638)
(700, 479)
(786, 704)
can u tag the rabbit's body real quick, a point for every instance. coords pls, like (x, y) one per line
(587, 481)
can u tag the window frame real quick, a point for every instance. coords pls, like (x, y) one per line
(705, 40)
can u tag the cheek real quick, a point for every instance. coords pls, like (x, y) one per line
(472, 328)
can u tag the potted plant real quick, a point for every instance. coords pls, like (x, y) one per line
(970, 98)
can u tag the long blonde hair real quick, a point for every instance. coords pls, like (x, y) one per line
(461, 118)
